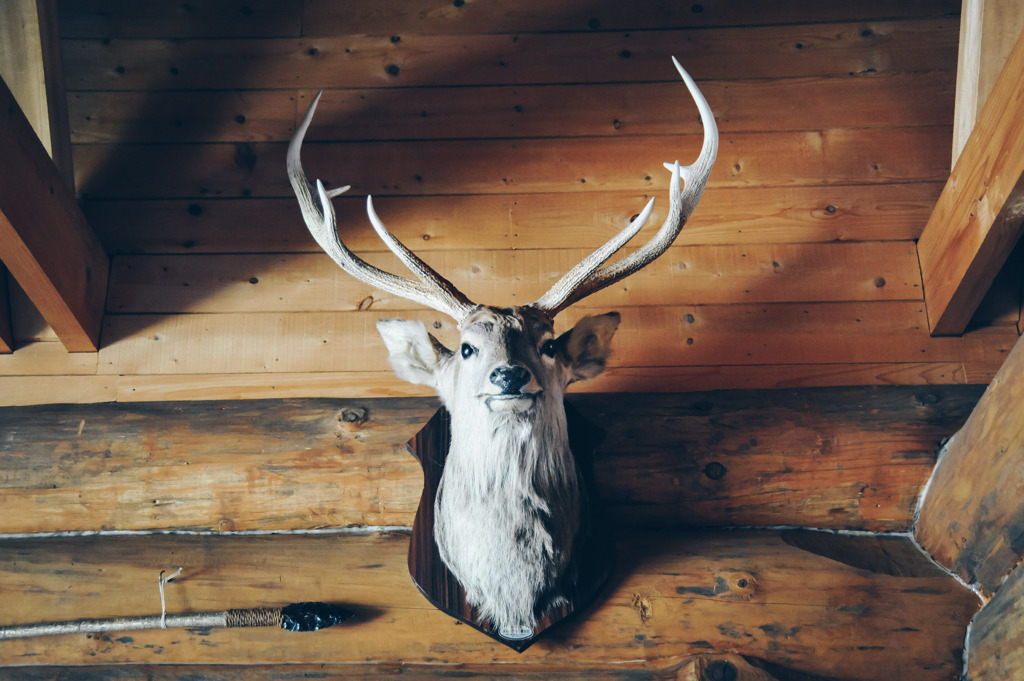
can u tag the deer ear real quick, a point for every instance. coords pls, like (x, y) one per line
(589, 344)
(414, 354)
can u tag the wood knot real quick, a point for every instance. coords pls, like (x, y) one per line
(741, 585)
(719, 670)
(644, 607)
(352, 415)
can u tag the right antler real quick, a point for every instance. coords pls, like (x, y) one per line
(588, 277)
(431, 290)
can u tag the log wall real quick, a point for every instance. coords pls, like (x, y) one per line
(852, 459)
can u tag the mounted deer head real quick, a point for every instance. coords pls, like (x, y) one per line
(510, 504)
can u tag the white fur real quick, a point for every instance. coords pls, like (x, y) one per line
(508, 508)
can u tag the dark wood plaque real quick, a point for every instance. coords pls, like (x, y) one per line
(592, 558)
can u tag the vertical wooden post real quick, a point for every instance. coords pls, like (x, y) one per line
(978, 218)
(972, 517)
(30, 64)
(6, 331)
(988, 31)
(44, 239)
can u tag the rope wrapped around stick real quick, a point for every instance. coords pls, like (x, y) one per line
(305, 616)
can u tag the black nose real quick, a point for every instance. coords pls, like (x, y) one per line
(510, 379)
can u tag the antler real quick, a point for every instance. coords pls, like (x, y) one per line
(431, 290)
(589, 277)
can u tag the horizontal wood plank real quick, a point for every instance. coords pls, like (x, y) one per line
(57, 389)
(216, 116)
(361, 60)
(224, 18)
(23, 390)
(687, 668)
(972, 517)
(580, 110)
(886, 212)
(650, 380)
(706, 275)
(791, 333)
(208, 19)
(46, 358)
(901, 613)
(835, 458)
(829, 157)
(324, 17)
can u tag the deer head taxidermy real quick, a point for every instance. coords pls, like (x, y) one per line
(510, 504)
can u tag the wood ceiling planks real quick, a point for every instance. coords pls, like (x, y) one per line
(503, 141)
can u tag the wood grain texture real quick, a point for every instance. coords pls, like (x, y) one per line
(978, 219)
(707, 275)
(46, 358)
(422, 16)
(208, 19)
(224, 18)
(577, 219)
(356, 60)
(994, 645)
(45, 241)
(662, 336)
(749, 593)
(576, 110)
(429, 167)
(6, 330)
(61, 389)
(835, 458)
(698, 667)
(988, 31)
(972, 517)
(221, 386)
(30, 63)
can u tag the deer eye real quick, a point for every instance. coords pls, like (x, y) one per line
(468, 351)
(550, 348)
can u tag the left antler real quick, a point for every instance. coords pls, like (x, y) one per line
(431, 290)
(588, 276)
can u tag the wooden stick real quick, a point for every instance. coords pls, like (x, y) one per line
(309, 616)
(306, 616)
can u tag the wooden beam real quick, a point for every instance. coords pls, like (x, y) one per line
(995, 645)
(972, 519)
(698, 667)
(45, 241)
(804, 603)
(848, 458)
(988, 31)
(980, 214)
(30, 64)
(6, 330)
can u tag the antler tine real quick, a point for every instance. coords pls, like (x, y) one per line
(453, 296)
(318, 213)
(578, 275)
(681, 206)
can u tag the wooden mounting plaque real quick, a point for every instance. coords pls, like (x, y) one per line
(593, 555)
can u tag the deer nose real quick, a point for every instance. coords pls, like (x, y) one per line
(510, 379)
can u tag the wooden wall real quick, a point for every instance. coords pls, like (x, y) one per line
(503, 141)
(133, 489)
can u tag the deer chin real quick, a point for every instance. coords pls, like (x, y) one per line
(516, 403)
